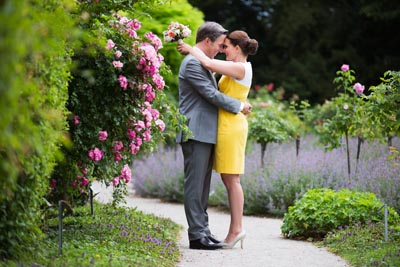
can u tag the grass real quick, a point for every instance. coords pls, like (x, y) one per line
(112, 237)
(365, 245)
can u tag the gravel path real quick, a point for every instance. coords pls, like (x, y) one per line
(263, 246)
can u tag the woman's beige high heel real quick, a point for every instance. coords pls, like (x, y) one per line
(240, 237)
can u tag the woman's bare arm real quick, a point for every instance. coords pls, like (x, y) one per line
(228, 68)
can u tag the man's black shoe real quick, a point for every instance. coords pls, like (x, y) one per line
(214, 239)
(203, 243)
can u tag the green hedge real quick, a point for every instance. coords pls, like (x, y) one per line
(34, 72)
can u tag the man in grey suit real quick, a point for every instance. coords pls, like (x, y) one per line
(199, 100)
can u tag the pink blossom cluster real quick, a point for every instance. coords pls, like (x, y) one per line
(139, 54)
(126, 176)
(149, 60)
(81, 180)
(358, 88)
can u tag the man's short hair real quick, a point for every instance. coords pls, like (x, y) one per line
(211, 30)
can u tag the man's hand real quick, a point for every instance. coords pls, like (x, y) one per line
(247, 108)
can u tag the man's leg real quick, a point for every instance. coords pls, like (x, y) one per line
(197, 168)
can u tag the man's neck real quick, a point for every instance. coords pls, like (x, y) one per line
(202, 48)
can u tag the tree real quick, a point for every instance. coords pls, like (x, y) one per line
(303, 42)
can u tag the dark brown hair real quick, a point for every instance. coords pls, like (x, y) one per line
(247, 45)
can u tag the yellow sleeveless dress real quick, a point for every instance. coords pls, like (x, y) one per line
(232, 131)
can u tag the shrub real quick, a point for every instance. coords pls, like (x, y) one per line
(322, 210)
(34, 72)
(160, 175)
(117, 104)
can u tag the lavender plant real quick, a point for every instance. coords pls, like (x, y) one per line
(285, 177)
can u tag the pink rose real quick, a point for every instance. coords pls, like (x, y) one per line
(345, 107)
(117, 64)
(118, 145)
(110, 44)
(135, 24)
(359, 88)
(134, 148)
(270, 87)
(147, 114)
(117, 156)
(345, 67)
(84, 181)
(147, 135)
(76, 120)
(123, 82)
(150, 96)
(155, 113)
(53, 183)
(96, 154)
(103, 135)
(139, 126)
(118, 54)
(115, 181)
(131, 134)
(126, 173)
(139, 141)
(132, 33)
(159, 81)
(161, 125)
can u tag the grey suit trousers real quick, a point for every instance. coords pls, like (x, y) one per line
(198, 160)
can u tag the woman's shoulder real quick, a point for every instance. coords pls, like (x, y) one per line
(248, 74)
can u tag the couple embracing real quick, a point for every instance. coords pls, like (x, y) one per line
(218, 127)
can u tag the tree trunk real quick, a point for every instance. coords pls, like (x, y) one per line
(390, 139)
(263, 149)
(348, 153)
(360, 141)
(297, 145)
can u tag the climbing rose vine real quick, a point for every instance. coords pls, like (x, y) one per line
(117, 105)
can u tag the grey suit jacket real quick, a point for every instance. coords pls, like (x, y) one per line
(199, 100)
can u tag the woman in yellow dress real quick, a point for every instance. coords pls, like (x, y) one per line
(230, 148)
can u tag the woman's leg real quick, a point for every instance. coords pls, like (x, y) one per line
(236, 201)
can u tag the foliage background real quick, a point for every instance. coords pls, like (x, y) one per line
(35, 52)
(303, 42)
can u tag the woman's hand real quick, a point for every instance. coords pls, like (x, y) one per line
(183, 48)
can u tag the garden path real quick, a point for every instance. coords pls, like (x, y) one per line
(263, 246)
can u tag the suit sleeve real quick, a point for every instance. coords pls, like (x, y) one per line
(201, 80)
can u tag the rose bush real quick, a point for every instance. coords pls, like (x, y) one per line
(117, 104)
